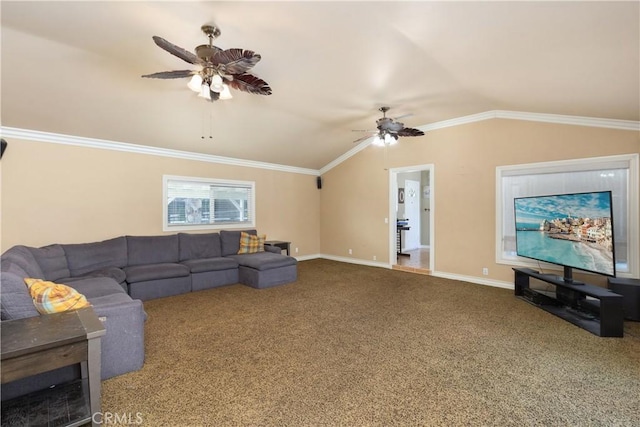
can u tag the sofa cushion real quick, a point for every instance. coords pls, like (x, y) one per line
(96, 287)
(250, 243)
(142, 273)
(11, 267)
(52, 261)
(264, 260)
(85, 258)
(15, 299)
(199, 246)
(114, 273)
(210, 264)
(21, 256)
(99, 303)
(230, 241)
(50, 297)
(152, 249)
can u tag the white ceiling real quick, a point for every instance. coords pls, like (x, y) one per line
(74, 68)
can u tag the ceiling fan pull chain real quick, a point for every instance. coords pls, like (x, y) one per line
(210, 124)
(203, 119)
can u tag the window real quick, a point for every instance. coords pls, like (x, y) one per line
(616, 173)
(199, 203)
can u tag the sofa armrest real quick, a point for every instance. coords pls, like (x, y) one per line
(123, 344)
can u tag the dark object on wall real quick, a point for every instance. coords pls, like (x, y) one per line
(319, 182)
(630, 290)
(3, 146)
(400, 195)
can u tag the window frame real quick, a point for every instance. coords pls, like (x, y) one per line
(251, 185)
(629, 161)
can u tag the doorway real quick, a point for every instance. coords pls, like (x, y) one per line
(411, 202)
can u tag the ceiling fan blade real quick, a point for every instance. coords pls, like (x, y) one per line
(249, 83)
(410, 132)
(235, 61)
(181, 53)
(403, 116)
(364, 138)
(178, 74)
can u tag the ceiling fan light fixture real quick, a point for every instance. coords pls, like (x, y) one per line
(378, 141)
(216, 83)
(195, 83)
(390, 139)
(216, 66)
(204, 92)
(225, 93)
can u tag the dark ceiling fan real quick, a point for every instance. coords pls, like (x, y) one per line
(389, 130)
(220, 69)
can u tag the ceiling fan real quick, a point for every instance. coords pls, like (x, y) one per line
(389, 130)
(218, 70)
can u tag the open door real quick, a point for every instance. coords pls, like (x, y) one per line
(416, 205)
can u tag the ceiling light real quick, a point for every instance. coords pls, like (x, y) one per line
(390, 139)
(385, 138)
(378, 141)
(216, 83)
(216, 66)
(195, 83)
(225, 93)
(204, 92)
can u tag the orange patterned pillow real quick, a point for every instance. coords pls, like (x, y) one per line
(250, 244)
(49, 297)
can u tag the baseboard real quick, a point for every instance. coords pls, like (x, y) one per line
(472, 279)
(356, 261)
(308, 257)
(444, 275)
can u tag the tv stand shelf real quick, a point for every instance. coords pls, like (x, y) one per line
(602, 316)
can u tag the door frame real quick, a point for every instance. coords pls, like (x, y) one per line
(393, 200)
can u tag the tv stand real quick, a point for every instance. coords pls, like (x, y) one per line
(601, 315)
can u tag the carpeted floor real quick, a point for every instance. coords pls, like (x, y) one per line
(352, 345)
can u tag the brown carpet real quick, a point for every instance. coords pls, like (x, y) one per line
(358, 346)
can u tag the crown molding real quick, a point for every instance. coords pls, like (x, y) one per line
(536, 117)
(504, 114)
(569, 120)
(364, 144)
(55, 138)
(33, 135)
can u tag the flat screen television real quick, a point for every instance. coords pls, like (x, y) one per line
(570, 230)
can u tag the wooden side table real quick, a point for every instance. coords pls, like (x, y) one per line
(284, 246)
(39, 344)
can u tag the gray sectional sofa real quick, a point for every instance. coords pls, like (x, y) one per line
(116, 275)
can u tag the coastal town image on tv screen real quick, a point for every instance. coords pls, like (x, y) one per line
(574, 230)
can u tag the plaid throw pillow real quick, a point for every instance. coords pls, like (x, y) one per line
(250, 244)
(49, 297)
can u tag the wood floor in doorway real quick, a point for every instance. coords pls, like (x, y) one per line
(416, 262)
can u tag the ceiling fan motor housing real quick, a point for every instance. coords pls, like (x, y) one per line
(206, 52)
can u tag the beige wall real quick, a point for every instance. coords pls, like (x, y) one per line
(465, 158)
(53, 193)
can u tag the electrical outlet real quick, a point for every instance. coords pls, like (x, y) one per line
(386, 220)
(296, 250)
(374, 258)
(485, 271)
(350, 252)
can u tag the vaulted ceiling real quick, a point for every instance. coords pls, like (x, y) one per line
(74, 68)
